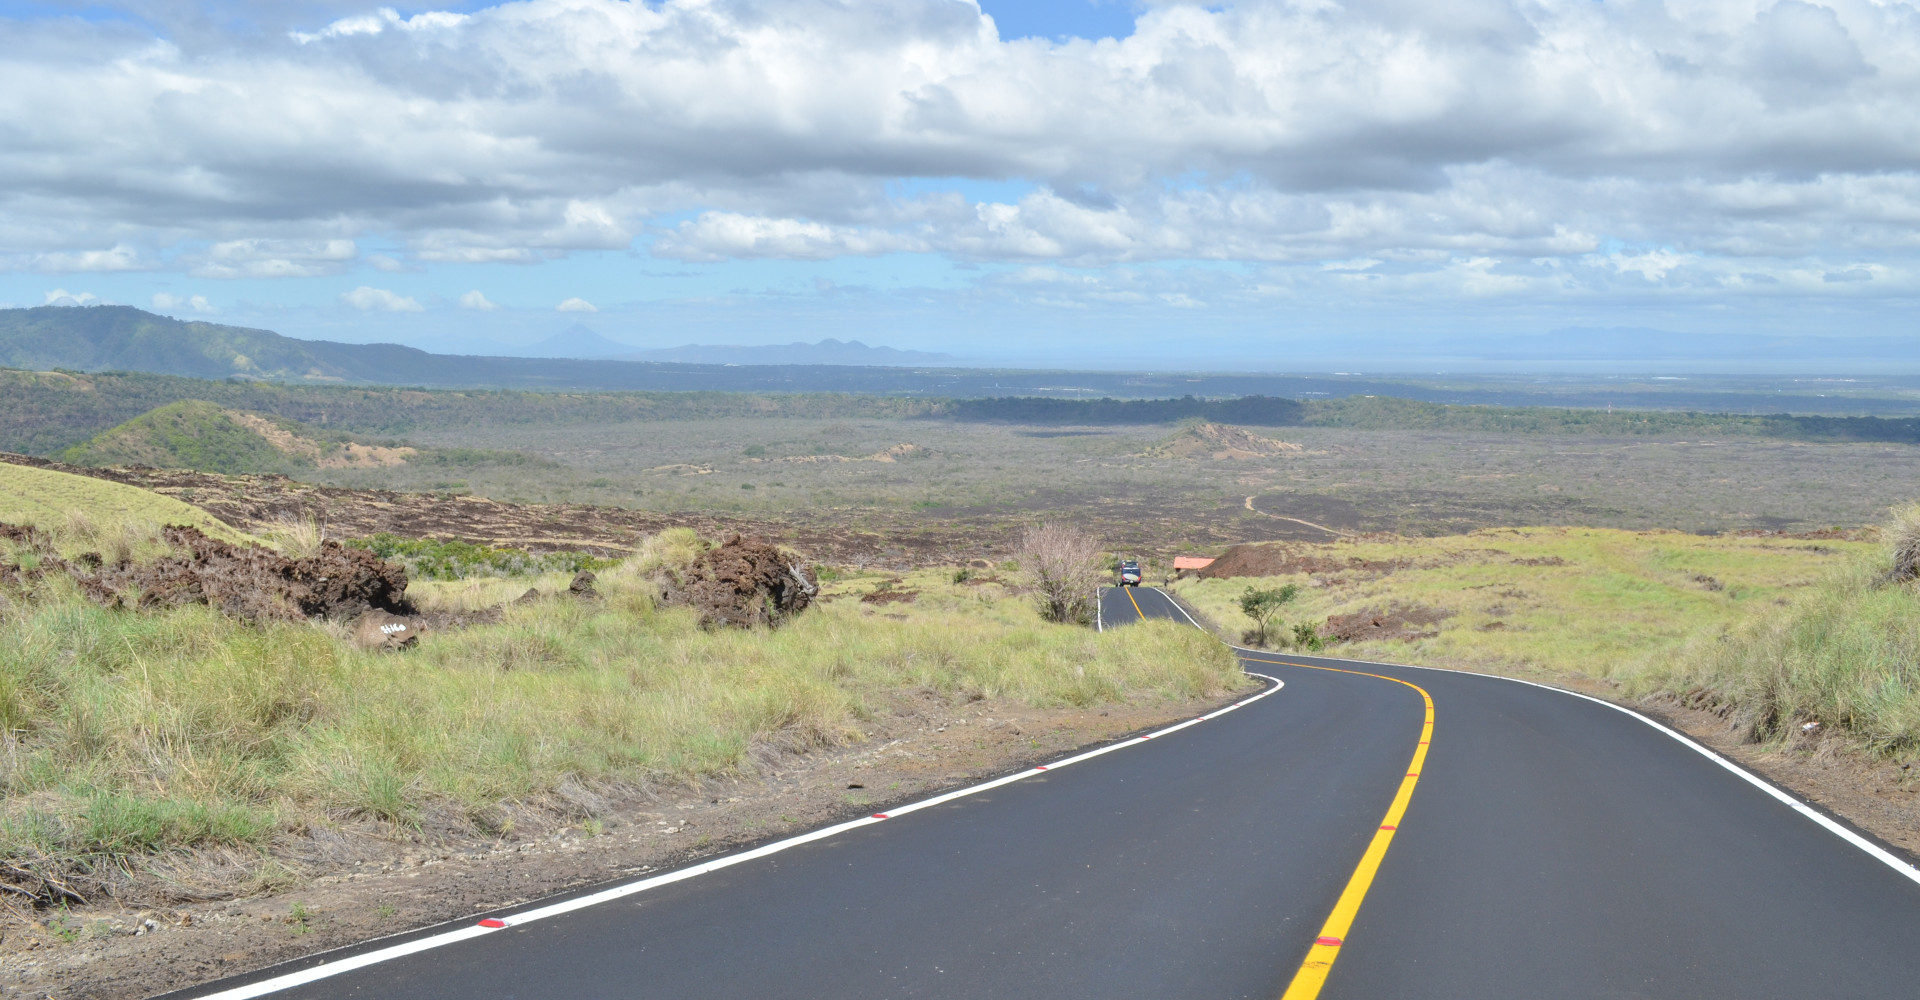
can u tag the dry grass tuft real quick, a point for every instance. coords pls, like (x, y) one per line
(1902, 535)
(297, 537)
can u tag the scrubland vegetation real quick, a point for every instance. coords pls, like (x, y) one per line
(1845, 654)
(1568, 601)
(1777, 632)
(129, 732)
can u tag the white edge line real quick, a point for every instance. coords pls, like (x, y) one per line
(334, 968)
(1832, 826)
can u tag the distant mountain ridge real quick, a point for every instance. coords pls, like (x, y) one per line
(825, 352)
(576, 341)
(123, 338)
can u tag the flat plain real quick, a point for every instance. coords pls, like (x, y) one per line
(912, 476)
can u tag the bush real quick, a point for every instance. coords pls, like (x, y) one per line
(1306, 636)
(1263, 606)
(1062, 565)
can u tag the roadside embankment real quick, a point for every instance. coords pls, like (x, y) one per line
(1845, 656)
(1532, 602)
(1793, 654)
(188, 793)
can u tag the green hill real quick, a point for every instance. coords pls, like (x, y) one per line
(128, 339)
(51, 499)
(195, 434)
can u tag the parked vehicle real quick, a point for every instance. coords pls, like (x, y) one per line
(1130, 574)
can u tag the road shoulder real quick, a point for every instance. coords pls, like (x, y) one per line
(361, 883)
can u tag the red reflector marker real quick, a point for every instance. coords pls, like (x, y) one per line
(1331, 942)
(492, 923)
(1389, 828)
(879, 815)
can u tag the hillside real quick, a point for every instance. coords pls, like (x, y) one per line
(128, 339)
(196, 434)
(53, 499)
(1221, 442)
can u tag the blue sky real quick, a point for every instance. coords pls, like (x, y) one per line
(1054, 181)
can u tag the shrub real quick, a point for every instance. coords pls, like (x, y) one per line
(1306, 636)
(1062, 565)
(1263, 606)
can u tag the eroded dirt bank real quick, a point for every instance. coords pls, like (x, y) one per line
(362, 880)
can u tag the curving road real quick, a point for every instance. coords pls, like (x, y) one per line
(1551, 846)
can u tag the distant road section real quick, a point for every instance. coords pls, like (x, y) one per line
(1553, 847)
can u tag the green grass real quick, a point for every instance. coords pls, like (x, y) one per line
(1558, 601)
(1796, 631)
(1846, 655)
(190, 434)
(51, 500)
(444, 559)
(139, 732)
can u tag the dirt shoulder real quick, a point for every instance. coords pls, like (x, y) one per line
(348, 884)
(1873, 793)
(1877, 795)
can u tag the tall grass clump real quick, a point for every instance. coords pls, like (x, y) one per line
(1846, 654)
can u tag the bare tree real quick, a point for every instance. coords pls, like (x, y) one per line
(1063, 567)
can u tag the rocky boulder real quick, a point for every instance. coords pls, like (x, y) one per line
(744, 582)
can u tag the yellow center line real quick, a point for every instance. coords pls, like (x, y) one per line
(1136, 603)
(1312, 976)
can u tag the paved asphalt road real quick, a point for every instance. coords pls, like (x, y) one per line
(1553, 847)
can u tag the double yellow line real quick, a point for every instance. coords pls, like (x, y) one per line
(1312, 976)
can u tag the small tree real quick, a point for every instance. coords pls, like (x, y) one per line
(1062, 565)
(1263, 606)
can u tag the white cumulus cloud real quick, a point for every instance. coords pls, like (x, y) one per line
(379, 300)
(168, 302)
(118, 258)
(62, 297)
(577, 305)
(275, 258)
(475, 300)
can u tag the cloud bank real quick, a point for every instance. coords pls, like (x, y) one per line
(1480, 147)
